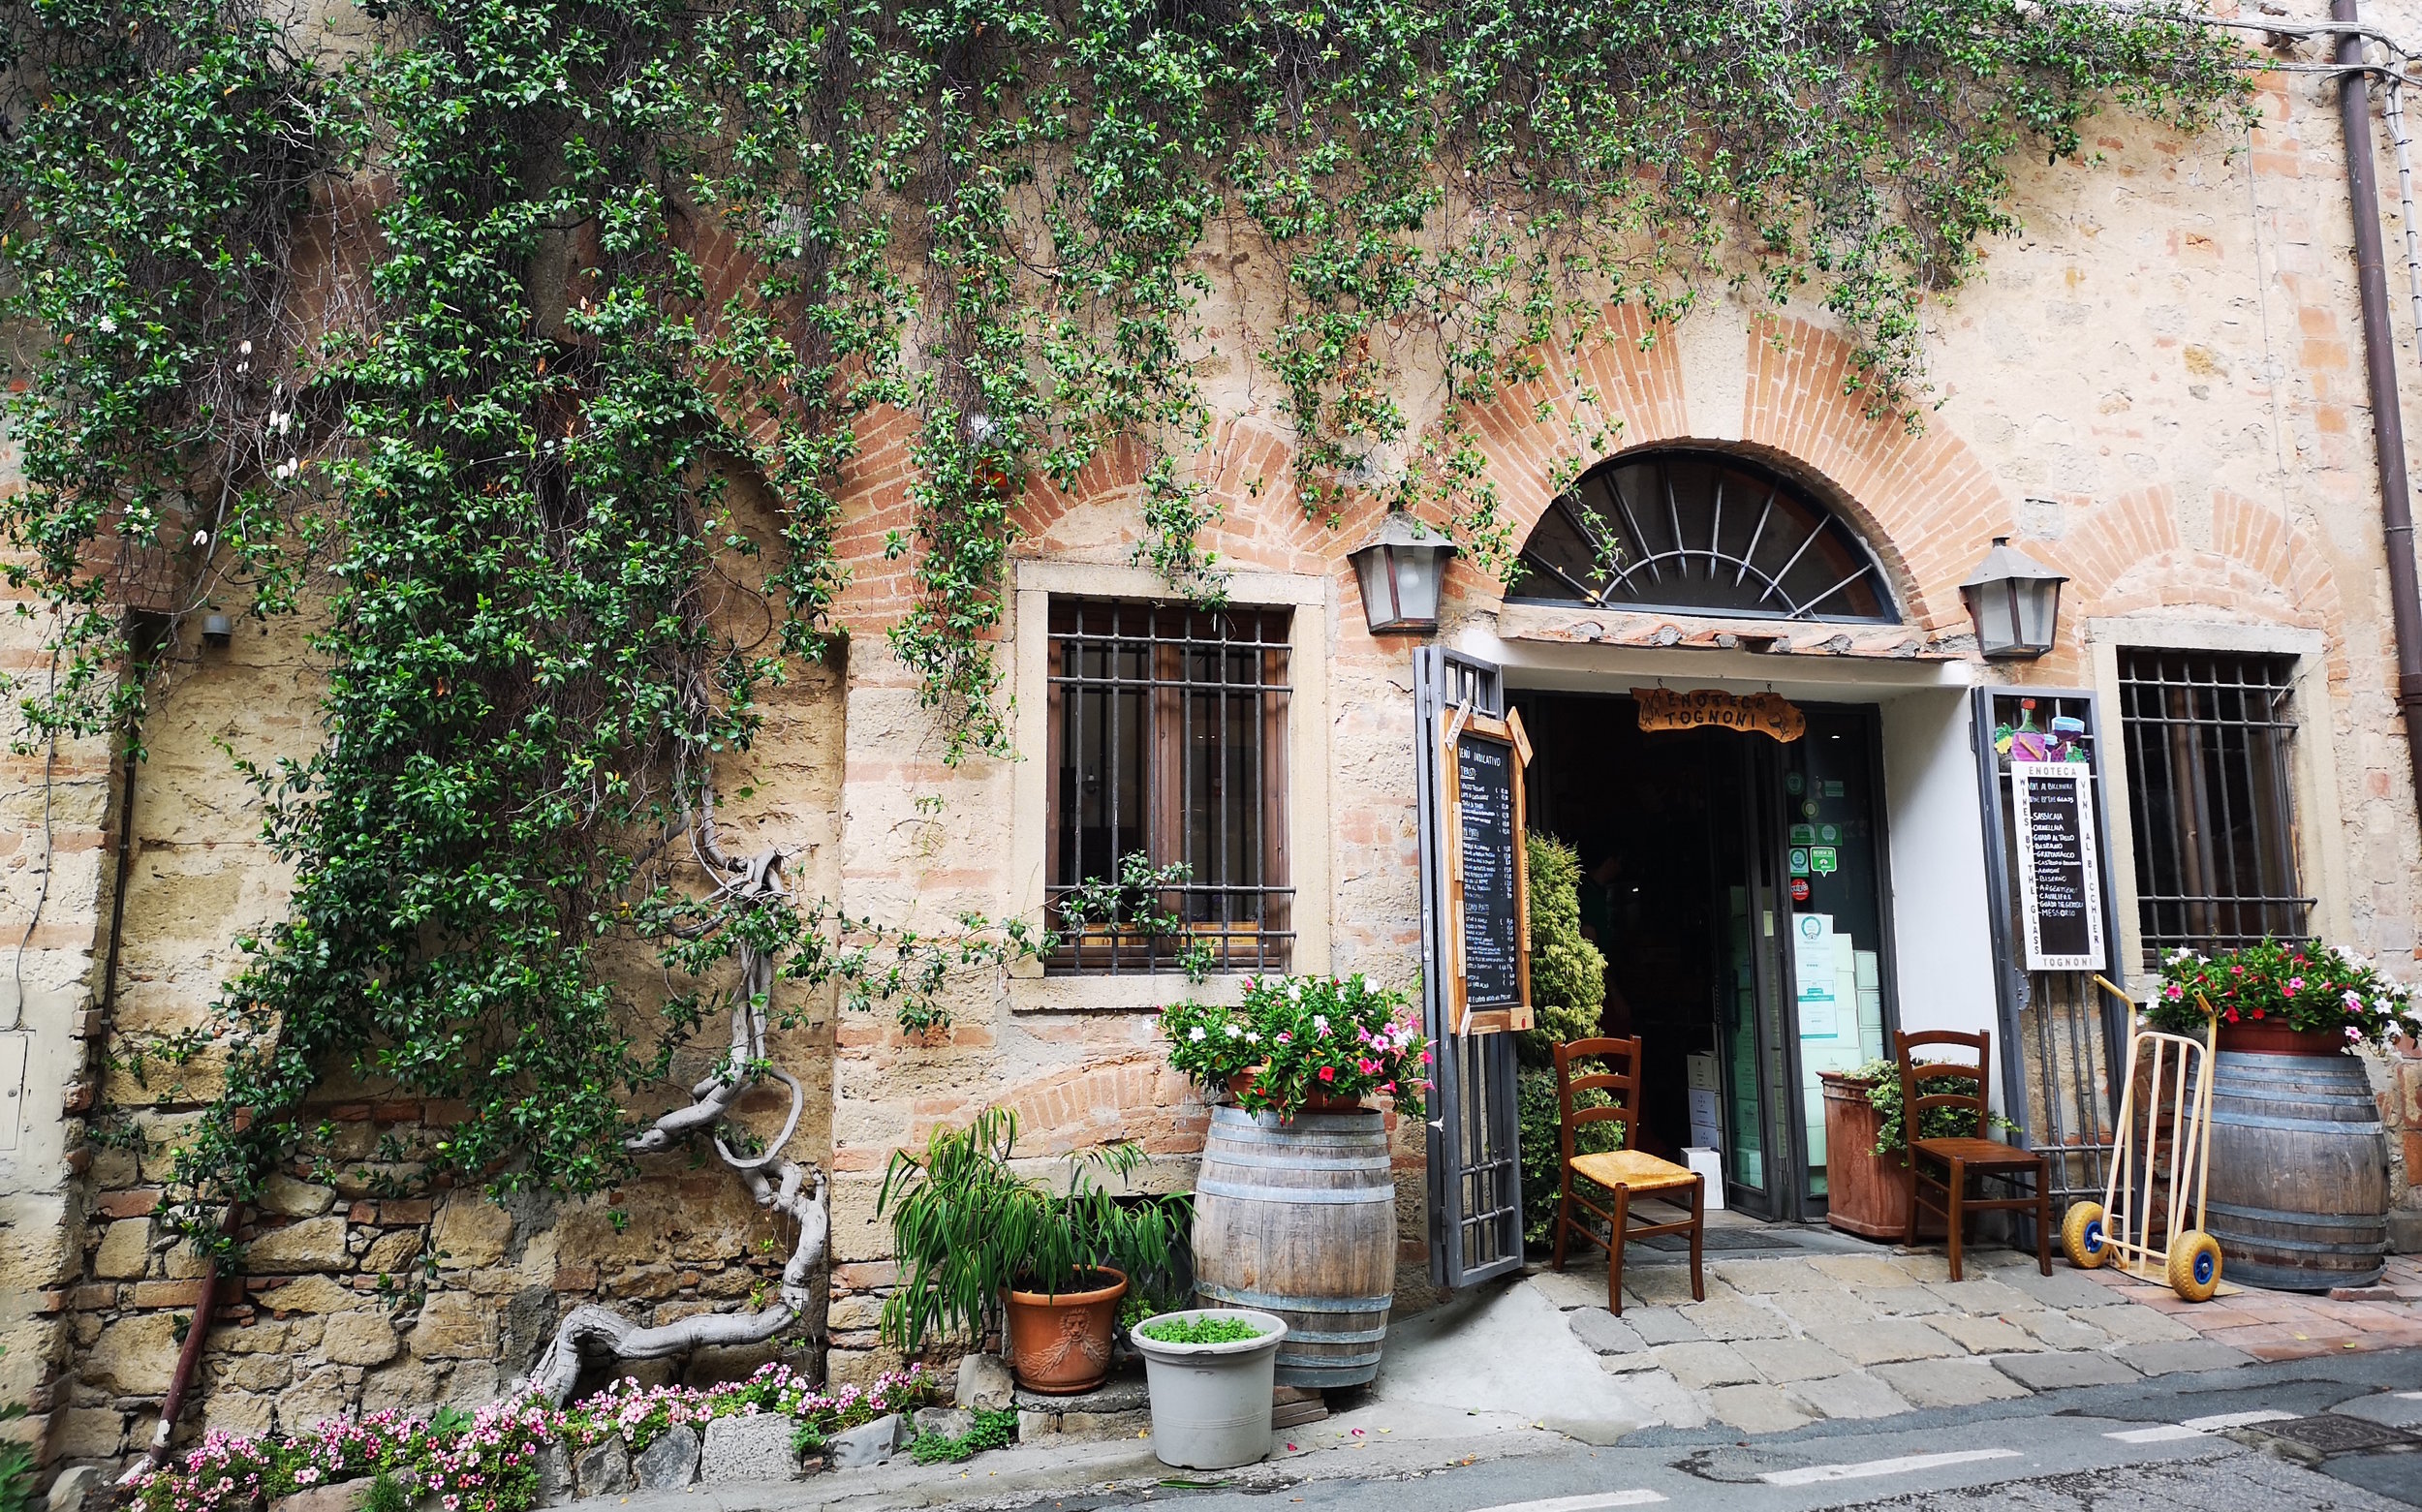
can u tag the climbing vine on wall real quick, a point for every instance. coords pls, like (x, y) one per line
(642, 276)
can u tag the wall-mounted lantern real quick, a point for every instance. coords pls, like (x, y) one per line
(2014, 602)
(217, 631)
(1402, 571)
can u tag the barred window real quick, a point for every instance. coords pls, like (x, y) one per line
(2210, 756)
(1169, 749)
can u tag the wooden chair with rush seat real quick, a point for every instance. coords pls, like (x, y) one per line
(1963, 1159)
(1626, 1172)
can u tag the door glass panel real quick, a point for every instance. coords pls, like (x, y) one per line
(1837, 937)
(1745, 1158)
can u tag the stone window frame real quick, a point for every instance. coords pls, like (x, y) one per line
(1313, 599)
(2321, 843)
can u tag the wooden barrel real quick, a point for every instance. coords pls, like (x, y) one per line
(1299, 1218)
(2299, 1186)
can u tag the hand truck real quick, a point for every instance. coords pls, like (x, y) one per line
(2138, 1195)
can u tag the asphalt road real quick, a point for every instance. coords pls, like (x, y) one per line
(2343, 1434)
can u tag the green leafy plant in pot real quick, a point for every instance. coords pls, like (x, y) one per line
(977, 1240)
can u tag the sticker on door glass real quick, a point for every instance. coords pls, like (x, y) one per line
(1792, 783)
(1803, 834)
(1824, 860)
(1799, 860)
(1829, 833)
(1799, 889)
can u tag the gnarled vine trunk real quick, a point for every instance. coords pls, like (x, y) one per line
(795, 1189)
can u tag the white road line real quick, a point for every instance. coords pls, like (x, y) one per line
(1588, 1503)
(2198, 1427)
(1812, 1474)
(2220, 1420)
(2410, 1396)
(2158, 1433)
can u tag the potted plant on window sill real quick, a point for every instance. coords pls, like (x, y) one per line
(974, 1240)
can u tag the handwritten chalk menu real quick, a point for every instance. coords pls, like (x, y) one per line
(2060, 888)
(1488, 878)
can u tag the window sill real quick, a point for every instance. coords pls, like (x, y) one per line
(1137, 992)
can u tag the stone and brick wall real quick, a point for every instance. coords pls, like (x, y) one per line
(2157, 387)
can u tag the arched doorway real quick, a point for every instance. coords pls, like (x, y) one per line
(1735, 878)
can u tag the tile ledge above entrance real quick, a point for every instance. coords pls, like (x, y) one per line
(1682, 631)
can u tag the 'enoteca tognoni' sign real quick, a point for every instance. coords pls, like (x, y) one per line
(1767, 713)
(2060, 887)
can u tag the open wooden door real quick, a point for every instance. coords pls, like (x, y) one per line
(1475, 1163)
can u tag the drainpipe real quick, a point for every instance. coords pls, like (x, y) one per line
(2379, 361)
(188, 1357)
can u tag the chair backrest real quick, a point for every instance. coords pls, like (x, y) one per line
(1915, 1074)
(1624, 1085)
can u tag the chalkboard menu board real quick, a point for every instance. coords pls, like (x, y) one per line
(1488, 876)
(2060, 887)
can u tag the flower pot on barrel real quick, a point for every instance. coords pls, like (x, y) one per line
(1296, 1205)
(976, 1242)
(2299, 1189)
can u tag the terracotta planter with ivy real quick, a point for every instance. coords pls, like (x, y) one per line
(1866, 1193)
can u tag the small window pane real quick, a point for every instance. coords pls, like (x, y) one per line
(2210, 768)
(1169, 745)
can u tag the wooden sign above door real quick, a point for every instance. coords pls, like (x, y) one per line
(1767, 713)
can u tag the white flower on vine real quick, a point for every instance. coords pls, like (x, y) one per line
(1233, 1032)
(107, 324)
(1252, 1036)
(1196, 1035)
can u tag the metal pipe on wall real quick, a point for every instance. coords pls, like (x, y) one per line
(2379, 354)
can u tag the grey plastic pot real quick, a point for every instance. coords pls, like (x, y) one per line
(1211, 1403)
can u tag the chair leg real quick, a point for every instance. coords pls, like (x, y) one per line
(1564, 1220)
(1957, 1191)
(2043, 1217)
(1614, 1251)
(1909, 1238)
(1699, 1232)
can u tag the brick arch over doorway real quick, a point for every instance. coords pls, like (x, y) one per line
(1927, 505)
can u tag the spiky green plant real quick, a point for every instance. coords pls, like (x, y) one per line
(966, 1224)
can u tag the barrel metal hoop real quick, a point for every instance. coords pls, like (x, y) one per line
(2315, 1125)
(1377, 1165)
(1271, 1301)
(1361, 1195)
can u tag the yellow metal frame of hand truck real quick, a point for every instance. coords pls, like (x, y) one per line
(2113, 1231)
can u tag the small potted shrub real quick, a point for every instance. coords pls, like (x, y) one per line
(1210, 1370)
(1304, 1045)
(1867, 1146)
(2280, 998)
(971, 1235)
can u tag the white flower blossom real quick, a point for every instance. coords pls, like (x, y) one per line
(107, 324)
(1196, 1033)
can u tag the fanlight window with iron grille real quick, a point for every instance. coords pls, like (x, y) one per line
(1700, 532)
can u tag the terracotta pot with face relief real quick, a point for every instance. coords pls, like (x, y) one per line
(1059, 1343)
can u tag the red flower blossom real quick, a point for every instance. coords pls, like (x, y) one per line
(1328, 1073)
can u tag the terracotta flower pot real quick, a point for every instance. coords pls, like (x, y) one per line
(1314, 1101)
(1060, 1344)
(1866, 1193)
(2263, 1036)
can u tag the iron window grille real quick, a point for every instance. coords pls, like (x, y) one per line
(2210, 757)
(1700, 532)
(1168, 741)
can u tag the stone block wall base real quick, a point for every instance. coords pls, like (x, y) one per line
(2404, 1231)
(1114, 1409)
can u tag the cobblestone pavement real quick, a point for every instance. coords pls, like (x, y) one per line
(1801, 1324)
(2287, 1325)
